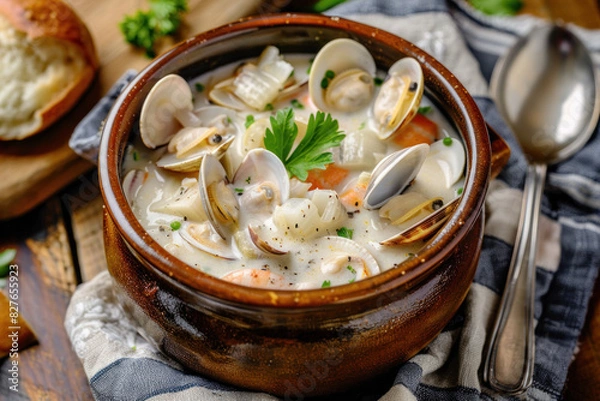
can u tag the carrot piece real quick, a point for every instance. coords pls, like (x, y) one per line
(419, 130)
(353, 197)
(328, 178)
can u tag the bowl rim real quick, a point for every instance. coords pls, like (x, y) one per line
(155, 257)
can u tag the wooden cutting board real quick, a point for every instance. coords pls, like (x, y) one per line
(33, 169)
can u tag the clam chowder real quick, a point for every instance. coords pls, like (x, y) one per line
(294, 172)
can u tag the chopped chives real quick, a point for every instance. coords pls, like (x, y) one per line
(297, 104)
(249, 120)
(344, 232)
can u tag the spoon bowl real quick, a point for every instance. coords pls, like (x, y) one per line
(546, 89)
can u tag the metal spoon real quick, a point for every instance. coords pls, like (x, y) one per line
(546, 89)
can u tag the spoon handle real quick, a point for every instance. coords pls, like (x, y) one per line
(510, 357)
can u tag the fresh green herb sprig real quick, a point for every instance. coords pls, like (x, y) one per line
(322, 133)
(498, 7)
(144, 28)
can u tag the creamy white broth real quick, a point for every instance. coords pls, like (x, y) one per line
(313, 259)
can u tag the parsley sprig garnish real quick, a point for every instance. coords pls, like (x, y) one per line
(144, 28)
(322, 133)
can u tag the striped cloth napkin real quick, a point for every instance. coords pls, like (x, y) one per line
(122, 365)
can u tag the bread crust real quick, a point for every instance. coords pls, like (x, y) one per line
(54, 19)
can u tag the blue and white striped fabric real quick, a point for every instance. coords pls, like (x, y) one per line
(122, 365)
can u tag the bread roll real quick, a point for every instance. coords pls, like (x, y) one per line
(47, 61)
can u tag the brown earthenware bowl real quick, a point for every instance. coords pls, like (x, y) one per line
(294, 343)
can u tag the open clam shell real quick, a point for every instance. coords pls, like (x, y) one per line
(424, 228)
(261, 167)
(190, 162)
(218, 199)
(393, 174)
(348, 70)
(342, 252)
(261, 239)
(132, 182)
(166, 109)
(399, 97)
(201, 236)
(446, 159)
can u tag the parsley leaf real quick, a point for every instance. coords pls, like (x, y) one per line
(322, 133)
(144, 28)
(280, 138)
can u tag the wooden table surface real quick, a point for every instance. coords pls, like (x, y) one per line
(59, 243)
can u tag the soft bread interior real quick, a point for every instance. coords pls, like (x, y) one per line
(34, 75)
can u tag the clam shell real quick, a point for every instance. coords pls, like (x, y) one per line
(191, 162)
(393, 174)
(218, 199)
(404, 207)
(168, 99)
(336, 246)
(445, 160)
(222, 94)
(424, 228)
(259, 239)
(201, 236)
(399, 97)
(132, 182)
(338, 55)
(260, 166)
